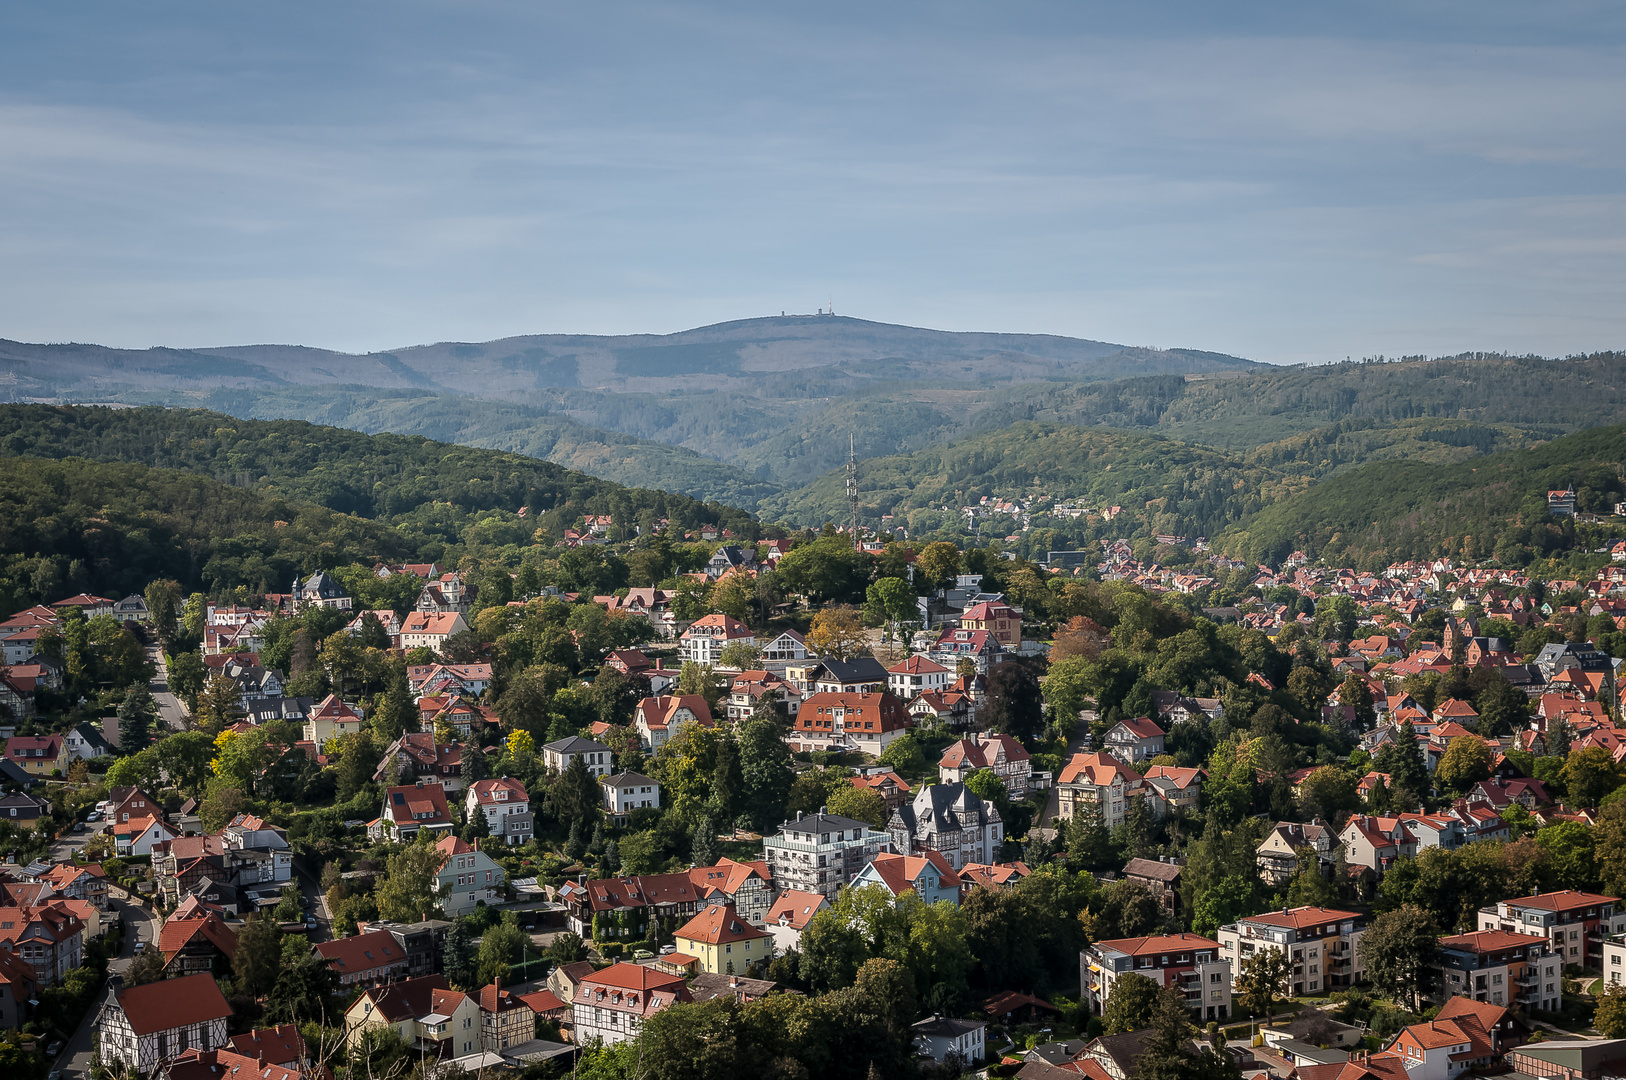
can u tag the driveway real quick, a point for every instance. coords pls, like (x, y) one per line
(170, 709)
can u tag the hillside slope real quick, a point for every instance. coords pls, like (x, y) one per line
(74, 525)
(493, 425)
(1493, 505)
(1171, 486)
(397, 478)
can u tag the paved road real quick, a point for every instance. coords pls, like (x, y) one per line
(314, 902)
(170, 709)
(139, 925)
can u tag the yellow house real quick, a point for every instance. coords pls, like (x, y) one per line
(431, 1018)
(722, 941)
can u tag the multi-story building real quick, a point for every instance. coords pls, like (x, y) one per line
(1577, 923)
(910, 678)
(706, 638)
(49, 936)
(416, 756)
(423, 943)
(1169, 788)
(722, 940)
(820, 853)
(330, 718)
(199, 943)
(998, 618)
(319, 590)
(746, 885)
(560, 755)
(623, 907)
(145, 1025)
(1278, 853)
(612, 1005)
(1135, 740)
(432, 1019)
(790, 915)
(410, 808)
(952, 819)
(467, 876)
(658, 719)
(1322, 943)
(19, 984)
(844, 722)
(505, 1020)
(928, 876)
(1194, 965)
(1001, 753)
(1501, 967)
(629, 791)
(364, 959)
(1097, 783)
(506, 805)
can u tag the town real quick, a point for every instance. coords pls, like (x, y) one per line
(820, 805)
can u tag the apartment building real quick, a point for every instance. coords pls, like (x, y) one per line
(1323, 944)
(1577, 923)
(1501, 967)
(1194, 965)
(821, 853)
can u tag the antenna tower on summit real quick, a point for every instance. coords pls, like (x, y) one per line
(852, 487)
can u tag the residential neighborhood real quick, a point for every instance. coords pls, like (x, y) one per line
(1355, 816)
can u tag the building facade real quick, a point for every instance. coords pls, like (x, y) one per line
(1323, 945)
(820, 853)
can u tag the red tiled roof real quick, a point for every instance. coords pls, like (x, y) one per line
(719, 924)
(1298, 918)
(1563, 900)
(798, 906)
(178, 933)
(173, 1003)
(362, 952)
(1160, 943)
(274, 1045)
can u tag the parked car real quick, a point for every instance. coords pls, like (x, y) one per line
(140, 947)
(94, 815)
(54, 1049)
(310, 922)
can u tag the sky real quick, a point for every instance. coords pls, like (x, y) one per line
(1288, 182)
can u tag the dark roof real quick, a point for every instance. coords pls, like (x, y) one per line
(575, 745)
(1151, 868)
(706, 986)
(944, 805)
(823, 823)
(946, 1026)
(860, 670)
(1056, 1053)
(1124, 1049)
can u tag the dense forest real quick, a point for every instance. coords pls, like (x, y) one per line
(73, 525)
(1166, 486)
(384, 476)
(1489, 506)
(495, 425)
(242, 502)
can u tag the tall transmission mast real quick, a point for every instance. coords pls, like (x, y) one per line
(852, 487)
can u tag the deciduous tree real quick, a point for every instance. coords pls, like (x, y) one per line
(1400, 950)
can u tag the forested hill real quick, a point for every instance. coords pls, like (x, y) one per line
(1488, 506)
(499, 425)
(1544, 397)
(1171, 486)
(74, 525)
(395, 478)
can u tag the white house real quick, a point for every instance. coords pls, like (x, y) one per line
(629, 791)
(943, 1037)
(703, 642)
(559, 755)
(428, 630)
(506, 805)
(145, 1025)
(790, 915)
(910, 678)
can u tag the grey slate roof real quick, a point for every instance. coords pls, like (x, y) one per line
(944, 808)
(576, 745)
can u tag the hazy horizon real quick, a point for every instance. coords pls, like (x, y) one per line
(1272, 181)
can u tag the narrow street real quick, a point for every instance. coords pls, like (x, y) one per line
(170, 709)
(140, 924)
